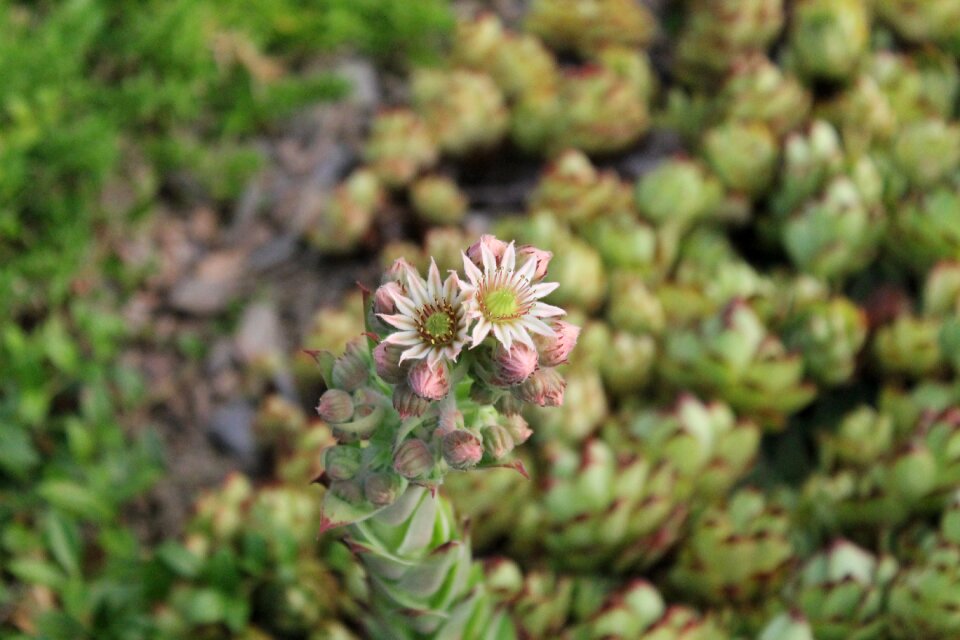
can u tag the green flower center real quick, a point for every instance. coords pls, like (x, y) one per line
(438, 324)
(501, 304)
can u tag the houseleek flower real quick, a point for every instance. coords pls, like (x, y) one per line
(431, 317)
(504, 300)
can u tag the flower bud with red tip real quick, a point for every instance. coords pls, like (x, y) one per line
(413, 458)
(542, 257)
(555, 350)
(517, 427)
(335, 406)
(461, 449)
(383, 297)
(386, 358)
(497, 248)
(543, 388)
(513, 366)
(497, 441)
(431, 382)
(407, 403)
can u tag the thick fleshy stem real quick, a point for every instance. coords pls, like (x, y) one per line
(424, 583)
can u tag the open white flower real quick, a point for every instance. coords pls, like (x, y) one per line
(431, 317)
(505, 300)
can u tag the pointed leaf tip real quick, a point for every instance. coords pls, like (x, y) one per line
(445, 547)
(325, 360)
(326, 524)
(356, 548)
(516, 465)
(337, 512)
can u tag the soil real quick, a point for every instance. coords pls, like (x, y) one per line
(227, 287)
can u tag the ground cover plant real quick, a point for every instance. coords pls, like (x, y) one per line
(751, 210)
(104, 107)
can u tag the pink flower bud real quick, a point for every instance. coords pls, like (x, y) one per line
(335, 406)
(351, 371)
(397, 271)
(497, 441)
(543, 388)
(542, 257)
(412, 458)
(513, 366)
(407, 403)
(383, 297)
(429, 382)
(496, 247)
(555, 351)
(461, 449)
(382, 488)
(386, 357)
(518, 428)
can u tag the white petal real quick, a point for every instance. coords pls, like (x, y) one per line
(400, 265)
(406, 306)
(528, 270)
(509, 259)
(522, 336)
(544, 288)
(544, 310)
(434, 285)
(452, 351)
(434, 357)
(471, 270)
(404, 338)
(399, 321)
(489, 261)
(537, 326)
(417, 288)
(450, 287)
(503, 334)
(414, 353)
(480, 332)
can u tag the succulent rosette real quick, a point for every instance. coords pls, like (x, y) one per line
(841, 590)
(736, 552)
(923, 599)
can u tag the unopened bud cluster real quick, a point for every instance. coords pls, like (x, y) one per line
(438, 381)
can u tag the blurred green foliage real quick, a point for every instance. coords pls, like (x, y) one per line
(94, 92)
(181, 80)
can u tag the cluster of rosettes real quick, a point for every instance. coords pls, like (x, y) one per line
(440, 378)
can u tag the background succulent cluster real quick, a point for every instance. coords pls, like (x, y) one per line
(754, 213)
